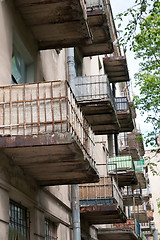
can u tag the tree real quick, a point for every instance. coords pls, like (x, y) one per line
(143, 35)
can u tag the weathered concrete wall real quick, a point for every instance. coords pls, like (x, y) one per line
(5, 45)
(54, 65)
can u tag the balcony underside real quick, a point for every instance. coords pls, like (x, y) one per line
(55, 24)
(50, 159)
(116, 69)
(130, 151)
(128, 200)
(125, 177)
(117, 234)
(125, 121)
(141, 216)
(102, 43)
(101, 116)
(102, 214)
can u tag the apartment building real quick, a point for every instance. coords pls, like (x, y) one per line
(66, 118)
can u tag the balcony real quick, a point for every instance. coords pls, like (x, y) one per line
(136, 140)
(123, 169)
(146, 226)
(99, 26)
(54, 24)
(94, 95)
(125, 149)
(140, 172)
(101, 202)
(116, 69)
(126, 231)
(124, 114)
(146, 193)
(45, 133)
(131, 197)
(139, 212)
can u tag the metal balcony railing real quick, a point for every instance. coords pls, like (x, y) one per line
(120, 163)
(90, 88)
(43, 108)
(122, 104)
(94, 5)
(104, 192)
(139, 165)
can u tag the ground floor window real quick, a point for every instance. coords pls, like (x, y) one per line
(50, 230)
(19, 222)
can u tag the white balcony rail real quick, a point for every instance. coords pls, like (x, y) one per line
(90, 88)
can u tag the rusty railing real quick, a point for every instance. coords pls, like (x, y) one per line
(43, 108)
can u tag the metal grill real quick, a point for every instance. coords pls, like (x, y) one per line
(92, 88)
(43, 108)
(122, 104)
(19, 222)
(50, 230)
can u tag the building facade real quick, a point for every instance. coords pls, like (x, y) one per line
(67, 120)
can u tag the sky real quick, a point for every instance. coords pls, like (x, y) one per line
(119, 6)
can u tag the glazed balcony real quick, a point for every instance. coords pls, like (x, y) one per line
(140, 213)
(126, 149)
(101, 202)
(94, 95)
(126, 231)
(116, 69)
(45, 133)
(122, 167)
(131, 197)
(124, 114)
(136, 140)
(54, 24)
(98, 21)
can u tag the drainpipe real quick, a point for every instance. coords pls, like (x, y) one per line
(76, 212)
(115, 135)
(74, 187)
(71, 68)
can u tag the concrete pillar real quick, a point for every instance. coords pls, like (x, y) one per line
(4, 214)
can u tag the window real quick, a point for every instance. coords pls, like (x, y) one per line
(19, 222)
(18, 68)
(22, 62)
(50, 230)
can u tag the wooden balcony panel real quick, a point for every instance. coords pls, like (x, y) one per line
(101, 202)
(55, 24)
(99, 26)
(116, 69)
(94, 95)
(122, 167)
(124, 114)
(44, 132)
